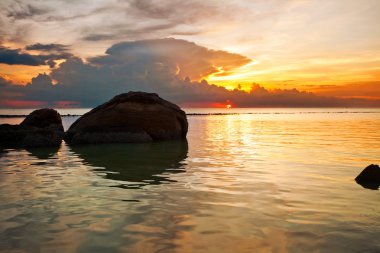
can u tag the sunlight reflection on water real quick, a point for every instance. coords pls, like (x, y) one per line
(242, 183)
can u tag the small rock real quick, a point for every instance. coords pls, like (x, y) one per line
(43, 118)
(369, 177)
(41, 128)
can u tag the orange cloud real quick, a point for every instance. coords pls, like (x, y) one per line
(21, 74)
(367, 90)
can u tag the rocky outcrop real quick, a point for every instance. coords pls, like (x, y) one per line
(130, 117)
(41, 128)
(369, 177)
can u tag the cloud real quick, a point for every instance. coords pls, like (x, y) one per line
(172, 68)
(120, 32)
(14, 56)
(3, 82)
(75, 21)
(53, 47)
(20, 10)
(368, 90)
(98, 37)
(17, 57)
(185, 58)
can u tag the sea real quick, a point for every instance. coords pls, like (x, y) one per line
(246, 180)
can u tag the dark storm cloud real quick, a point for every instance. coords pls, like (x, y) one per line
(14, 56)
(48, 47)
(161, 66)
(17, 57)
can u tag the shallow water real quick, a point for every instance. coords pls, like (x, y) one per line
(278, 181)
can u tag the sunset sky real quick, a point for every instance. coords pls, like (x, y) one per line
(264, 52)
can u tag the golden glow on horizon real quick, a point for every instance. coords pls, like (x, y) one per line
(243, 76)
(22, 74)
(239, 73)
(327, 75)
(333, 72)
(337, 79)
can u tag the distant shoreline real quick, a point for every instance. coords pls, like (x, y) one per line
(212, 114)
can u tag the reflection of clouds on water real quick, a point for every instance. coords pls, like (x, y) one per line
(138, 164)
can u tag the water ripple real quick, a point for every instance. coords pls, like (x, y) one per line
(242, 183)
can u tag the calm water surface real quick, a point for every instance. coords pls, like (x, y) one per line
(275, 180)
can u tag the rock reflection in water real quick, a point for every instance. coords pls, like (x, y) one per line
(43, 152)
(138, 164)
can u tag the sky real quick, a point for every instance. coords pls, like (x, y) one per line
(248, 53)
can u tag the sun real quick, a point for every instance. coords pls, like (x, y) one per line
(228, 104)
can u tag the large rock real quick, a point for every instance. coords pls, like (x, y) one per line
(130, 117)
(369, 177)
(41, 128)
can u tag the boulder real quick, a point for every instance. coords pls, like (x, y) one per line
(44, 118)
(41, 128)
(130, 117)
(369, 177)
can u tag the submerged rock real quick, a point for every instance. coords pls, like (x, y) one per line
(369, 177)
(130, 117)
(41, 128)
